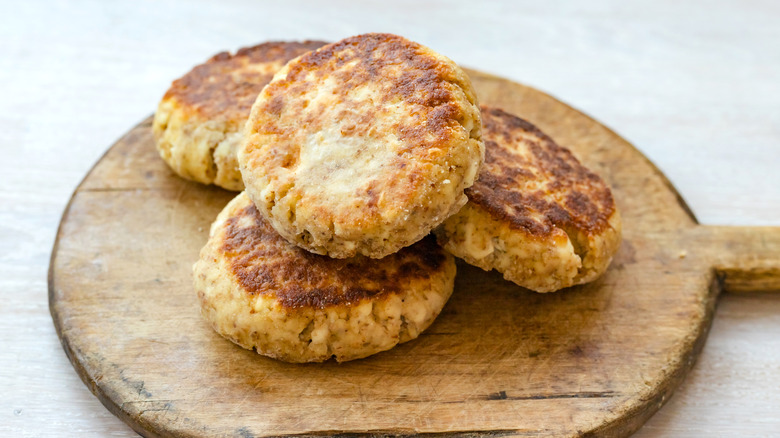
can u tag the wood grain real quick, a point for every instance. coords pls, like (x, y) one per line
(597, 359)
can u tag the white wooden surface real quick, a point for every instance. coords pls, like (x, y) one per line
(695, 86)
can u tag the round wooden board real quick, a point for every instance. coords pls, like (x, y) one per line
(500, 360)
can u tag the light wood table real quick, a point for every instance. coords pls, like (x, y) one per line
(694, 87)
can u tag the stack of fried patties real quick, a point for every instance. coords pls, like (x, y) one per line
(353, 155)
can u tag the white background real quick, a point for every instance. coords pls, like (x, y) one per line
(694, 85)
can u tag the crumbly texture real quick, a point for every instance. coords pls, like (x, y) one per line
(363, 146)
(199, 122)
(535, 213)
(261, 292)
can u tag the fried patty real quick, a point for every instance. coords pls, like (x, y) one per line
(199, 122)
(262, 292)
(535, 213)
(362, 146)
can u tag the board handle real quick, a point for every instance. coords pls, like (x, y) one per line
(746, 259)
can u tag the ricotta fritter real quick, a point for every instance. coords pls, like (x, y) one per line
(362, 146)
(262, 292)
(535, 213)
(199, 122)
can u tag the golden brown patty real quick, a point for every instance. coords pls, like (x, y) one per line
(199, 122)
(535, 213)
(262, 292)
(363, 146)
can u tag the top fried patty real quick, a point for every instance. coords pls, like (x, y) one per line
(362, 146)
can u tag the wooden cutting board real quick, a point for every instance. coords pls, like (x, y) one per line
(500, 360)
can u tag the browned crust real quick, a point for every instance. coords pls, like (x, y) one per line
(419, 82)
(226, 85)
(422, 80)
(537, 191)
(265, 263)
